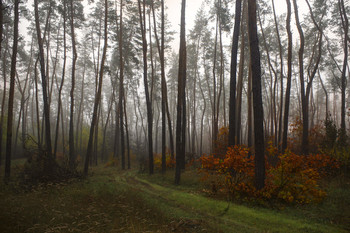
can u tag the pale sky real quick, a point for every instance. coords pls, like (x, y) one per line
(192, 6)
(174, 12)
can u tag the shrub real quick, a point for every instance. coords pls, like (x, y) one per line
(42, 168)
(334, 145)
(170, 162)
(292, 179)
(316, 136)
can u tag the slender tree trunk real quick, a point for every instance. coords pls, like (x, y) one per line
(121, 88)
(127, 135)
(280, 121)
(37, 103)
(289, 77)
(240, 78)
(215, 120)
(11, 95)
(345, 25)
(4, 72)
(305, 142)
(44, 84)
(98, 94)
(202, 121)
(325, 92)
(232, 103)
(148, 101)
(71, 121)
(62, 79)
(250, 109)
(163, 85)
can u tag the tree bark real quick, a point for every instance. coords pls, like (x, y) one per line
(289, 77)
(345, 25)
(62, 79)
(232, 103)
(71, 121)
(181, 100)
(142, 15)
(98, 94)
(121, 89)
(257, 97)
(4, 91)
(44, 84)
(11, 94)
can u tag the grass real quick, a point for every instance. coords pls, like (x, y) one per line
(125, 201)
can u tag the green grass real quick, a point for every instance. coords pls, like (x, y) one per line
(240, 218)
(125, 201)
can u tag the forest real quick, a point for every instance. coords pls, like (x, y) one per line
(116, 118)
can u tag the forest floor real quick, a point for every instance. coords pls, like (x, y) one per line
(111, 200)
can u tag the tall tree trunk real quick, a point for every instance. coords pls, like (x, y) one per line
(44, 85)
(37, 103)
(280, 121)
(289, 77)
(257, 97)
(148, 101)
(121, 88)
(5, 82)
(345, 26)
(181, 100)
(240, 77)
(202, 120)
(71, 121)
(81, 109)
(305, 141)
(326, 94)
(98, 94)
(233, 74)
(62, 79)
(163, 86)
(215, 120)
(127, 135)
(11, 94)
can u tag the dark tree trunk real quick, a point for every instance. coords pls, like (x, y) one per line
(11, 94)
(163, 85)
(44, 85)
(289, 77)
(4, 91)
(304, 102)
(142, 14)
(257, 97)
(181, 100)
(121, 88)
(232, 103)
(345, 25)
(240, 78)
(98, 94)
(127, 135)
(279, 136)
(71, 120)
(62, 79)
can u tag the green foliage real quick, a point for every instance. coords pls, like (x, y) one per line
(335, 144)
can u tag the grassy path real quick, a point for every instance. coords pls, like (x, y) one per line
(115, 201)
(219, 215)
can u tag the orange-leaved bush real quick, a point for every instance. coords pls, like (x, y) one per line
(290, 178)
(236, 166)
